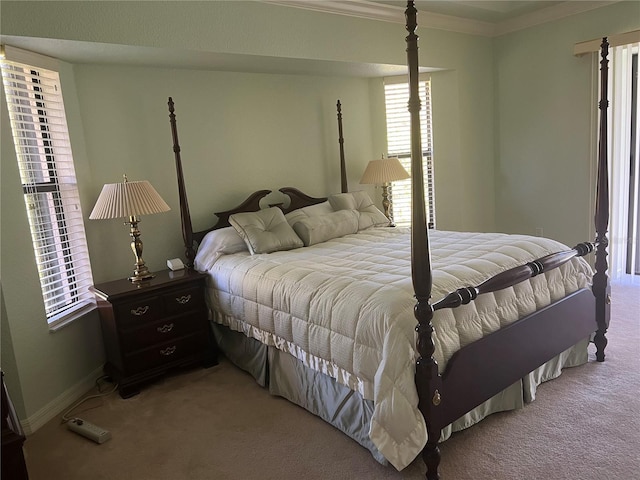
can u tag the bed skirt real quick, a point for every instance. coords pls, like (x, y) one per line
(286, 376)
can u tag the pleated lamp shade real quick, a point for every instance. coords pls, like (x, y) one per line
(128, 199)
(384, 171)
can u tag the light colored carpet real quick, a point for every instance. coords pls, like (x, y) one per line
(218, 424)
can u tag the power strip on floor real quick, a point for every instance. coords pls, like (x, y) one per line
(89, 430)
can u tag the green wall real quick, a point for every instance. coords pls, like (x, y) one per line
(545, 98)
(245, 131)
(238, 132)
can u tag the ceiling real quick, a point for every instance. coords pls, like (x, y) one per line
(478, 17)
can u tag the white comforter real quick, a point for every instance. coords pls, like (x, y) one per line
(345, 307)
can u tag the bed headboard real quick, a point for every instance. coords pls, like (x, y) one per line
(297, 199)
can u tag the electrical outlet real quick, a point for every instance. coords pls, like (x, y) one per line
(88, 430)
(539, 232)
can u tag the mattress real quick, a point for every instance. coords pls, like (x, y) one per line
(345, 308)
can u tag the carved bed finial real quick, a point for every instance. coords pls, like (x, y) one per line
(185, 216)
(343, 167)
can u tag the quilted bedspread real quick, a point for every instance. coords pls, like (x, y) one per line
(345, 308)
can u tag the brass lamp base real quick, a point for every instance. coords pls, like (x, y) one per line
(141, 277)
(386, 203)
(141, 272)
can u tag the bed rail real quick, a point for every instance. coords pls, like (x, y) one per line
(513, 276)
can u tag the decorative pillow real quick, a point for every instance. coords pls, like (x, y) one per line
(321, 228)
(216, 243)
(310, 211)
(265, 231)
(370, 215)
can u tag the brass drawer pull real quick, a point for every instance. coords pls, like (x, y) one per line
(165, 328)
(140, 310)
(168, 351)
(184, 299)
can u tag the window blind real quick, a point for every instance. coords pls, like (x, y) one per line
(624, 154)
(399, 145)
(41, 140)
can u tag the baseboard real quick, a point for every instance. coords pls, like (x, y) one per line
(60, 403)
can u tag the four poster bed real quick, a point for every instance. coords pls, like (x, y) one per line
(327, 306)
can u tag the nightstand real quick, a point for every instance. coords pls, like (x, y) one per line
(154, 326)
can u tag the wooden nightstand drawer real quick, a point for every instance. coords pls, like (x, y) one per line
(164, 353)
(154, 326)
(183, 300)
(159, 332)
(140, 311)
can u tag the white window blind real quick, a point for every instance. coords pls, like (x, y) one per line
(41, 140)
(399, 145)
(624, 166)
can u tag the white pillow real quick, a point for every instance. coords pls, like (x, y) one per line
(216, 243)
(311, 211)
(370, 215)
(265, 231)
(321, 228)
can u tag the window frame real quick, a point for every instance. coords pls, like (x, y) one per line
(404, 155)
(43, 150)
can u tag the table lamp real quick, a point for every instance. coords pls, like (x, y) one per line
(382, 172)
(129, 200)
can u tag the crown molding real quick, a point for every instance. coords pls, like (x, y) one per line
(549, 14)
(389, 13)
(615, 40)
(353, 8)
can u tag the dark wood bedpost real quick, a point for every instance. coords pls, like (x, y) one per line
(343, 166)
(187, 230)
(428, 382)
(600, 288)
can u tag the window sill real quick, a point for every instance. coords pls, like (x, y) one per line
(67, 318)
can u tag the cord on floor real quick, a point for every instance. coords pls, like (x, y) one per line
(104, 378)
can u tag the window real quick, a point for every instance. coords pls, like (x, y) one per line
(43, 150)
(399, 145)
(624, 167)
(633, 221)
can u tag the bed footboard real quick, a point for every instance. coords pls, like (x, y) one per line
(473, 376)
(442, 399)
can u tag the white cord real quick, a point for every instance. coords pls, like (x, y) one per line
(65, 419)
